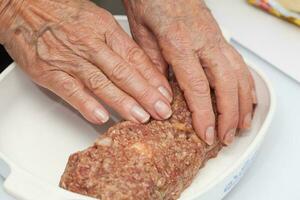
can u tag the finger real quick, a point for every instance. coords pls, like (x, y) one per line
(121, 73)
(147, 41)
(124, 46)
(253, 91)
(72, 91)
(226, 90)
(192, 80)
(197, 94)
(244, 87)
(102, 87)
(130, 81)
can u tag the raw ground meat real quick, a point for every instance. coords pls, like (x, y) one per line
(155, 161)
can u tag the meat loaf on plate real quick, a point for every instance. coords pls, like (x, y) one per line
(157, 160)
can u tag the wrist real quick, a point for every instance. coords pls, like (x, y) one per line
(9, 10)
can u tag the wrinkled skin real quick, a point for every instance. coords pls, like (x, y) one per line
(77, 50)
(184, 34)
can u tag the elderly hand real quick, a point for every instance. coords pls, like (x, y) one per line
(184, 34)
(78, 51)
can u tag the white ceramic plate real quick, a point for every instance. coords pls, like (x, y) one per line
(38, 132)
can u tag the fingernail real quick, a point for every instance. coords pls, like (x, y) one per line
(210, 135)
(165, 93)
(101, 115)
(229, 137)
(247, 120)
(163, 109)
(140, 114)
(254, 98)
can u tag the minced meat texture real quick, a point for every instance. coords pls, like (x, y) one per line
(157, 160)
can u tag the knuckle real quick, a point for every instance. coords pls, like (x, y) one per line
(106, 18)
(160, 65)
(82, 102)
(241, 73)
(207, 50)
(69, 87)
(243, 79)
(121, 72)
(179, 40)
(149, 73)
(136, 55)
(145, 94)
(98, 81)
(119, 100)
(212, 33)
(209, 30)
(212, 44)
(158, 61)
(42, 78)
(139, 32)
(200, 87)
(73, 93)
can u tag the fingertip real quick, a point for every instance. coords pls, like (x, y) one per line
(101, 115)
(140, 114)
(206, 131)
(227, 127)
(166, 93)
(163, 109)
(229, 137)
(210, 135)
(245, 108)
(245, 118)
(93, 111)
(247, 121)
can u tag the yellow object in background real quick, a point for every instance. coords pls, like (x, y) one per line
(285, 9)
(293, 5)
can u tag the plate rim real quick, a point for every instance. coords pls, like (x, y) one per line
(250, 149)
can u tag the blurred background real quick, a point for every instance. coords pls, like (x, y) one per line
(116, 8)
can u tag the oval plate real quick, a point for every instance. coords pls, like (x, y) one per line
(38, 132)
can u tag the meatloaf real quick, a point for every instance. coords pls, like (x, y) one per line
(157, 160)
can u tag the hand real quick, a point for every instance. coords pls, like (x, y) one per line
(78, 51)
(185, 35)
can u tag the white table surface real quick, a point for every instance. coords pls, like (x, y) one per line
(275, 172)
(266, 35)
